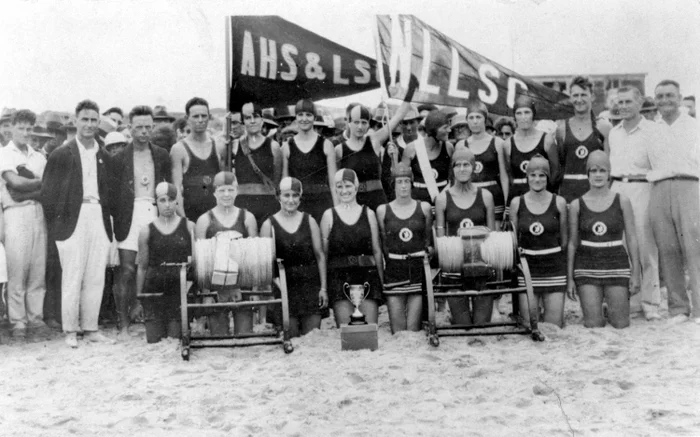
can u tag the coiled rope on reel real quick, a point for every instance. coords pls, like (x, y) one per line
(499, 250)
(450, 254)
(255, 258)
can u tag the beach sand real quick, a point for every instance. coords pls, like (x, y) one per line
(641, 381)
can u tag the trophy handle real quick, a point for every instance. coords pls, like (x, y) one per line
(346, 287)
(366, 284)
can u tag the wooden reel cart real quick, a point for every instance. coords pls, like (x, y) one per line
(477, 278)
(227, 268)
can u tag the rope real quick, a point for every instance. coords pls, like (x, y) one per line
(450, 254)
(498, 250)
(254, 258)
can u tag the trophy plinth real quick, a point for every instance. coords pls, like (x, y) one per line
(358, 334)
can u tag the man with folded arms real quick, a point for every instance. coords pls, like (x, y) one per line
(21, 168)
(675, 202)
(76, 200)
(137, 170)
(628, 143)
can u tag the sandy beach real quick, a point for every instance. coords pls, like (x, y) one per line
(641, 381)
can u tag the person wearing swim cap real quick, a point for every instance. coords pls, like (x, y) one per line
(310, 158)
(526, 143)
(490, 169)
(406, 226)
(539, 218)
(224, 217)
(257, 165)
(298, 243)
(363, 152)
(353, 250)
(577, 137)
(599, 268)
(464, 205)
(164, 243)
(438, 150)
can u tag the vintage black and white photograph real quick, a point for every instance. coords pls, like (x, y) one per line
(325, 218)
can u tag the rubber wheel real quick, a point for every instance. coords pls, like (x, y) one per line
(537, 335)
(288, 347)
(185, 353)
(434, 341)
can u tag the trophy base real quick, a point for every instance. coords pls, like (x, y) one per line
(357, 320)
(359, 337)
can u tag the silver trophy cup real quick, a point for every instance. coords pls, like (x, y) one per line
(356, 293)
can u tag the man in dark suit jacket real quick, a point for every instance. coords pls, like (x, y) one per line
(77, 205)
(136, 172)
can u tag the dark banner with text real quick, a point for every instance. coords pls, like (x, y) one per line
(274, 62)
(450, 74)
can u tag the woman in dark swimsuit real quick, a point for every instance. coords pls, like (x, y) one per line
(162, 244)
(353, 250)
(222, 218)
(298, 244)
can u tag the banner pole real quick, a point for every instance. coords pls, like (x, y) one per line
(228, 94)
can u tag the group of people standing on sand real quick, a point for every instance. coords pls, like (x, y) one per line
(598, 210)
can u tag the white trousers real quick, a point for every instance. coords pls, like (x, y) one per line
(639, 193)
(25, 251)
(83, 260)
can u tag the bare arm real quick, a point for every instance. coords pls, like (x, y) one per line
(553, 156)
(2, 226)
(490, 214)
(381, 214)
(514, 205)
(606, 145)
(20, 183)
(571, 249)
(200, 229)
(250, 224)
(440, 205)
(632, 246)
(332, 168)
(376, 244)
(426, 207)
(285, 159)
(563, 223)
(502, 169)
(321, 261)
(326, 224)
(142, 260)
(338, 153)
(408, 154)
(178, 162)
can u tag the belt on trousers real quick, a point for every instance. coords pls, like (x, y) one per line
(422, 185)
(484, 184)
(91, 200)
(254, 190)
(576, 177)
(541, 251)
(679, 178)
(520, 181)
(404, 256)
(370, 185)
(630, 179)
(601, 243)
(150, 200)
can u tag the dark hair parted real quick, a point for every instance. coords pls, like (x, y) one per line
(668, 82)
(24, 116)
(140, 110)
(87, 104)
(114, 109)
(195, 101)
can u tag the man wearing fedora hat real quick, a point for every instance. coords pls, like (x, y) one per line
(39, 137)
(21, 168)
(76, 196)
(161, 116)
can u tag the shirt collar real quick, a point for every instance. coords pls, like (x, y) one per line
(642, 125)
(12, 146)
(84, 150)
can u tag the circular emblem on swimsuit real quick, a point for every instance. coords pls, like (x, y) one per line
(435, 174)
(466, 223)
(206, 180)
(536, 229)
(581, 151)
(479, 167)
(599, 228)
(145, 181)
(523, 166)
(405, 235)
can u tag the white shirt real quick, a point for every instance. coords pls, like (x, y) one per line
(88, 161)
(679, 154)
(629, 150)
(10, 158)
